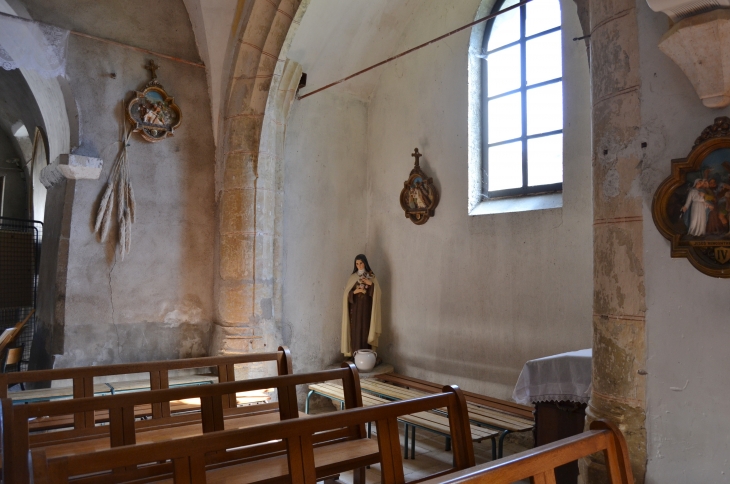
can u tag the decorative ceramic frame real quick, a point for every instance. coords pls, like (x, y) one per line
(153, 112)
(419, 197)
(699, 182)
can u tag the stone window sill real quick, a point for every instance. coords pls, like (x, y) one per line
(521, 204)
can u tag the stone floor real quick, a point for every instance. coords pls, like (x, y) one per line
(431, 456)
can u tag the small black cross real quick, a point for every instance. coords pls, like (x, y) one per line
(416, 155)
(152, 67)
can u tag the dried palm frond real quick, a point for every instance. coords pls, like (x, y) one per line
(118, 185)
(103, 205)
(106, 219)
(132, 203)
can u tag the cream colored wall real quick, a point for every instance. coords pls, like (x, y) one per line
(465, 299)
(325, 221)
(469, 299)
(687, 330)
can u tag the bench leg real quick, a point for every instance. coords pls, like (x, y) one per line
(405, 442)
(413, 441)
(358, 476)
(448, 444)
(501, 443)
(494, 448)
(370, 430)
(306, 402)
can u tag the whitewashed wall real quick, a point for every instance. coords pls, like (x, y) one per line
(325, 221)
(465, 299)
(688, 313)
(469, 299)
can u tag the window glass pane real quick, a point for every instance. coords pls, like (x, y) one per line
(506, 27)
(545, 160)
(542, 15)
(544, 108)
(505, 118)
(504, 70)
(505, 166)
(544, 58)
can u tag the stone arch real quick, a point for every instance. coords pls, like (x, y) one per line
(60, 128)
(260, 93)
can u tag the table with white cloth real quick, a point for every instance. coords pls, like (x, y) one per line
(559, 386)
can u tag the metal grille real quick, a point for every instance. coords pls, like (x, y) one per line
(20, 251)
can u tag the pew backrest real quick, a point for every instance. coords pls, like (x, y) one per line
(189, 457)
(122, 429)
(539, 464)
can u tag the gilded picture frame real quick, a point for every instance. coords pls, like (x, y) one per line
(691, 207)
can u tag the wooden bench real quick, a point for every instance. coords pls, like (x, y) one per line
(197, 460)
(162, 413)
(158, 372)
(539, 463)
(507, 417)
(430, 421)
(125, 430)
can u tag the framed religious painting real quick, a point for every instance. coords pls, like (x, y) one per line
(419, 196)
(691, 207)
(152, 111)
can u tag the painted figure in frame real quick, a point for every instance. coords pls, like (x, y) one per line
(360, 309)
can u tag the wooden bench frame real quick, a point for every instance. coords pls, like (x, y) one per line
(191, 457)
(408, 423)
(512, 408)
(539, 463)
(123, 429)
(85, 422)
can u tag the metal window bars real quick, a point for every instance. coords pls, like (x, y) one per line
(20, 250)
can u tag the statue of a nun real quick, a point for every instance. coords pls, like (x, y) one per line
(360, 309)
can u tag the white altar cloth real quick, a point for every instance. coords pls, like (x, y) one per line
(563, 377)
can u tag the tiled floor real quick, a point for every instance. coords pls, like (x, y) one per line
(431, 457)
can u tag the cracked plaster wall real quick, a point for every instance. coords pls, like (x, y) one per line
(470, 299)
(158, 302)
(325, 221)
(687, 330)
(465, 299)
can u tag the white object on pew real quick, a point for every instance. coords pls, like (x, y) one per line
(563, 377)
(6, 334)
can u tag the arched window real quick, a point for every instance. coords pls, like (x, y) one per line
(522, 101)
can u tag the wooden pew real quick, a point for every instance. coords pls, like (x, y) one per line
(123, 430)
(539, 463)
(507, 417)
(430, 421)
(197, 460)
(158, 378)
(161, 413)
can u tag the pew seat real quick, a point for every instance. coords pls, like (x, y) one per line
(430, 421)
(303, 457)
(125, 431)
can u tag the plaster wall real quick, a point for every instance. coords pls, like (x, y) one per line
(469, 299)
(688, 386)
(157, 303)
(325, 221)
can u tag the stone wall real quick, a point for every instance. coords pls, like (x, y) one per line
(158, 302)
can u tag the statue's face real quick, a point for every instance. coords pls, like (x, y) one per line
(360, 265)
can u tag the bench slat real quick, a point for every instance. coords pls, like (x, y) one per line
(477, 413)
(427, 420)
